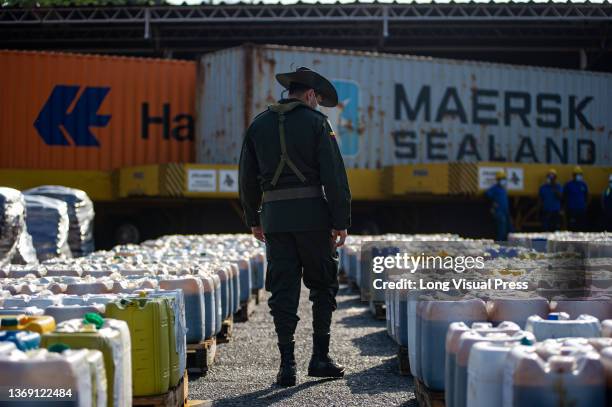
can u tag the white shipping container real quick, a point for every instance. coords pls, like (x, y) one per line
(397, 109)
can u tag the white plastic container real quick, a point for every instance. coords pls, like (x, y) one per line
(559, 325)
(41, 369)
(485, 373)
(466, 343)
(516, 310)
(95, 359)
(453, 342)
(65, 312)
(600, 308)
(573, 380)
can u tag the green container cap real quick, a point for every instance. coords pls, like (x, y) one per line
(58, 347)
(93, 318)
(526, 341)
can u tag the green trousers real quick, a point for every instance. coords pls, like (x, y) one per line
(291, 256)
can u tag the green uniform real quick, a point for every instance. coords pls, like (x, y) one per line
(297, 229)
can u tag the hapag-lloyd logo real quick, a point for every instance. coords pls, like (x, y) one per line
(345, 117)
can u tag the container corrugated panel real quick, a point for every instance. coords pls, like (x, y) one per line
(398, 109)
(88, 112)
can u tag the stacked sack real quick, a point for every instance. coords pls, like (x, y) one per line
(15, 241)
(47, 221)
(80, 215)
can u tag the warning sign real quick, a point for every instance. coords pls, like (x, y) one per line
(515, 176)
(228, 180)
(202, 181)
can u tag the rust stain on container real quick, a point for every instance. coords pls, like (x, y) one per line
(89, 112)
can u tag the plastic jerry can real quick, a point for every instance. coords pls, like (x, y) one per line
(90, 287)
(544, 351)
(516, 310)
(7, 349)
(224, 277)
(606, 328)
(576, 380)
(389, 306)
(148, 322)
(466, 343)
(95, 332)
(23, 340)
(414, 340)
(218, 307)
(559, 325)
(453, 341)
(257, 270)
(63, 313)
(210, 310)
(486, 372)
(41, 324)
(435, 318)
(40, 369)
(193, 292)
(21, 310)
(245, 277)
(600, 308)
(175, 354)
(178, 345)
(235, 287)
(99, 386)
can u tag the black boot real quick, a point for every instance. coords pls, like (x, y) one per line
(321, 365)
(286, 376)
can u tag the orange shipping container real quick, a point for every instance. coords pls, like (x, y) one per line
(89, 112)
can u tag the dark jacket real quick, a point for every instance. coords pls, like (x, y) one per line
(312, 146)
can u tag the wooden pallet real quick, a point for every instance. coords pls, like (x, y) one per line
(427, 397)
(402, 358)
(201, 356)
(246, 310)
(226, 331)
(175, 397)
(378, 309)
(258, 293)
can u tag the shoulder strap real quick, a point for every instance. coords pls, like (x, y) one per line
(284, 158)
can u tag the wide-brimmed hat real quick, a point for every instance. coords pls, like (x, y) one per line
(308, 77)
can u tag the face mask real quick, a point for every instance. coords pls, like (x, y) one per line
(503, 182)
(578, 177)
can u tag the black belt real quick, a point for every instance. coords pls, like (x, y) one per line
(293, 193)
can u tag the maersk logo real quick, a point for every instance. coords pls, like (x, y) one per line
(345, 117)
(55, 124)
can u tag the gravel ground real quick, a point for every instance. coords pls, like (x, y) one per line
(245, 370)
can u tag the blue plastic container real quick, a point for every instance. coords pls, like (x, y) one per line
(209, 306)
(246, 284)
(193, 292)
(23, 340)
(236, 289)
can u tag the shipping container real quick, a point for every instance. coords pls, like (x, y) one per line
(397, 109)
(89, 112)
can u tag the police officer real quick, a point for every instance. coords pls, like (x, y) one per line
(295, 195)
(576, 194)
(500, 207)
(550, 196)
(606, 204)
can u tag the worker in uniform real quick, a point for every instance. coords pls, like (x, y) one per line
(500, 207)
(295, 195)
(576, 194)
(550, 196)
(606, 205)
